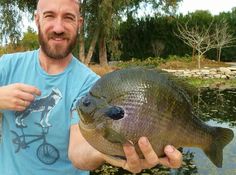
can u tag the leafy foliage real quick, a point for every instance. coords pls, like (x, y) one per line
(11, 18)
(101, 17)
(154, 36)
(30, 40)
(113, 30)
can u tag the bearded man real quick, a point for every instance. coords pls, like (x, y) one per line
(45, 84)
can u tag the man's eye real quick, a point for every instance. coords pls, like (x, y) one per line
(70, 18)
(48, 16)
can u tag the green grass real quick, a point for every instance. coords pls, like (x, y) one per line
(212, 82)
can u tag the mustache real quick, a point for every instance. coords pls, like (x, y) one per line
(62, 35)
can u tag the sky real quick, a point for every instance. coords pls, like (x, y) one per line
(214, 6)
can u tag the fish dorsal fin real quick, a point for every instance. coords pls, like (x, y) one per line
(173, 81)
(180, 83)
(114, 137)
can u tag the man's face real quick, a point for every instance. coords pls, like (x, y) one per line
(58, 24)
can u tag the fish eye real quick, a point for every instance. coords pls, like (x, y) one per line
(86, 102)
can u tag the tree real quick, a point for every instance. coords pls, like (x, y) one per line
(222, 37)
(101, 20)
(29, 40)
(199, 38)
(11, 18)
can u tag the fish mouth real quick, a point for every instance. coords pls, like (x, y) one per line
(93, 122)
(87, 126)
(92, 127)
(85, 118)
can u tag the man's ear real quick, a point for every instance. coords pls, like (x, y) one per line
(80, 23)
(36, 18)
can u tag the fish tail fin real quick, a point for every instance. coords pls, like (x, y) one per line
(221, 136)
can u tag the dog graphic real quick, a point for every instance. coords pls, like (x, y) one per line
(43, 105)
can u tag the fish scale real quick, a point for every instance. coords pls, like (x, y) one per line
(129, 103)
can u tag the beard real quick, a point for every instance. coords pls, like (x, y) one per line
(56, 51)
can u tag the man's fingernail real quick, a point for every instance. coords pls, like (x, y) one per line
(170, 148)
(144, 141)
(128, 143)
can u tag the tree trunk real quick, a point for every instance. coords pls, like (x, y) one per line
(81, 45)
(199, 61)
(81, 34)
(219, 54)
(92, 46)
(193, 53)
(102, 51)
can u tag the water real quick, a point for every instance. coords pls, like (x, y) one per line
(215, 107)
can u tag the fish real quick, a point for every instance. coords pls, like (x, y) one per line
(126, 104)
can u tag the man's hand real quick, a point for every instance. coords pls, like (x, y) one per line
(134, 164)
(17, 96)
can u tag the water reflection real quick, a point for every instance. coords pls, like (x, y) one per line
(217, 105)
(217, 108)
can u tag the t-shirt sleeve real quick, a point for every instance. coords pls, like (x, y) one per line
(3, 74)
(85, 89)
(3, 66)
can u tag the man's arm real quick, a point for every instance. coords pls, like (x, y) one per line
(85, 157)
(81, 154)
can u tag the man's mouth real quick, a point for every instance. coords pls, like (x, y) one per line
(58, 39)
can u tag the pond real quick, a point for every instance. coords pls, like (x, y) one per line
(215, 107)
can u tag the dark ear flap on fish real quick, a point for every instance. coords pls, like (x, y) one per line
(179, 83)
(115, 112)
(215, 152)
(114, 137)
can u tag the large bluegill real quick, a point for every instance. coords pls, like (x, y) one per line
(124, 105)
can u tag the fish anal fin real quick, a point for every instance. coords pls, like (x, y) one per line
(215, 155)
(215, 152)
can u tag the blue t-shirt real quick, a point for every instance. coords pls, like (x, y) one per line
(35, 141)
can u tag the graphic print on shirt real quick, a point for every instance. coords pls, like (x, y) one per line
(43, 105)
(46, 152)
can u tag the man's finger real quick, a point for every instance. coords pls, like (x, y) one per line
(19, 108)
(150, 156)
(29, 89)
(173, 157)
(25, 96)
(23, 103)
(133, 162)
(114, 161)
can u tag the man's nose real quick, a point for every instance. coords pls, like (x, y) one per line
(58, 26)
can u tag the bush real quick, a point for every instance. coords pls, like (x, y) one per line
(148, 62)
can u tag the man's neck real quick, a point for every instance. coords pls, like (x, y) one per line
(53, 66)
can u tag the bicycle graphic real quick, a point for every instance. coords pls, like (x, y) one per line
(46, 152)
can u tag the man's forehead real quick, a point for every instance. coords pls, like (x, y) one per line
(76, 1)
(45, 3)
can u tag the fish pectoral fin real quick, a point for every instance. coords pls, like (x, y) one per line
(114, 137)
(215, 152)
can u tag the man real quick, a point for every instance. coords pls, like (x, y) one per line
(38, 93)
